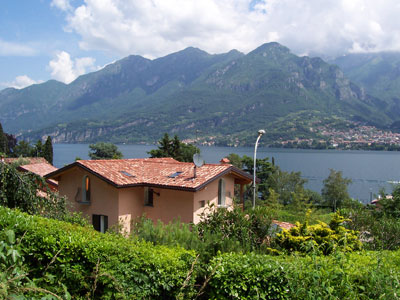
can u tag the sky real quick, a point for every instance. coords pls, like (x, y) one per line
(62, 39)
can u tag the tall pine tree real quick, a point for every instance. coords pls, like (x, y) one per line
(48, 150)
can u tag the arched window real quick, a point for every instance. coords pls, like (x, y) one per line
(221, 192)
(86, 189)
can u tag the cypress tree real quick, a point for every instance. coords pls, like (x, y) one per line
(48, 150)
(3, 141)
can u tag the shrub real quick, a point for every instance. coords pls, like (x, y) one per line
(320, 237)
(249, 229)
(251, 276)
(378, 230)
(89, 264)
(20, 190)
(365, 275)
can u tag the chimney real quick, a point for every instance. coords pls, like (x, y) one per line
(225, 161)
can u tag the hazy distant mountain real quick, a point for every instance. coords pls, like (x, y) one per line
(378, 74)
(226, 96)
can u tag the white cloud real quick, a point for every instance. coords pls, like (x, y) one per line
(15, 49)
(21, 82)
(158, 27)
(61, 4)
(65, 69)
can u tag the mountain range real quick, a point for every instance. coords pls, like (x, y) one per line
(222, 98)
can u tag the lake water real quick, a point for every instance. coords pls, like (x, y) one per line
(369, 170)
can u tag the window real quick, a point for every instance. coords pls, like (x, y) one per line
(202, 203)
(148, 196)
(100, 223)
(176, 174)
(221, 192)
(127, 173)
(86, 189)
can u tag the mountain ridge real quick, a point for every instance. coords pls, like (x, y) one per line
(224, 96)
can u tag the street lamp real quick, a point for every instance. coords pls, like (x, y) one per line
(260, 133)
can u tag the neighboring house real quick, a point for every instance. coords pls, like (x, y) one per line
(36, 165)
(119, 191)
(376, 201)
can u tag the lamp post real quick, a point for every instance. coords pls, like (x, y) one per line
(260, 133)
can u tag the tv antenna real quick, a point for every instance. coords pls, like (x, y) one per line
(198, 162)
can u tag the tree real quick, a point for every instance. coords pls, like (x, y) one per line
(23, 149)
(12, 142)
(3, 141)
(286, 184)
(20, 190)
(264, 170)
(334, 191)
(174, 148)
(48, 150)
(391, 206)
(37, 149)
(235, 160)
(103, 150)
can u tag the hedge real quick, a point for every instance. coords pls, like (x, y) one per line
(63, 257)
(359, 275)
(71, 261)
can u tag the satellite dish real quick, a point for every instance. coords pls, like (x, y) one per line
(198, 160)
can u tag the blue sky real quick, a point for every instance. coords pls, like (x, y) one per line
(62, 39)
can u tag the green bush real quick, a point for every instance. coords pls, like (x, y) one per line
(249, 228)
(20, 190)
(378, 231)
(90, 265)
(220, 230)
(320, 237)
(250, 276)
(363, 275)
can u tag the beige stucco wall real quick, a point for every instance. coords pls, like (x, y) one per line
(170, 205)
(210, 195)
(103, 196)
(131, 206)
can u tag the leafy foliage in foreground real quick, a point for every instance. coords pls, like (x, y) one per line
(46, 258)
(251, 276)
(63, 257)
(363, 275)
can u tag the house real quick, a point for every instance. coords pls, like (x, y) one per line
(36, 165)
(118, 191)
(376, 201)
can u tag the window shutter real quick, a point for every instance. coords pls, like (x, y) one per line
(105, 223)
(96, 222)
(221, 192)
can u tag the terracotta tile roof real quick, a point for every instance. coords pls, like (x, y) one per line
(41, 169)
(284, 225)
(165, 172)
(29, 160)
